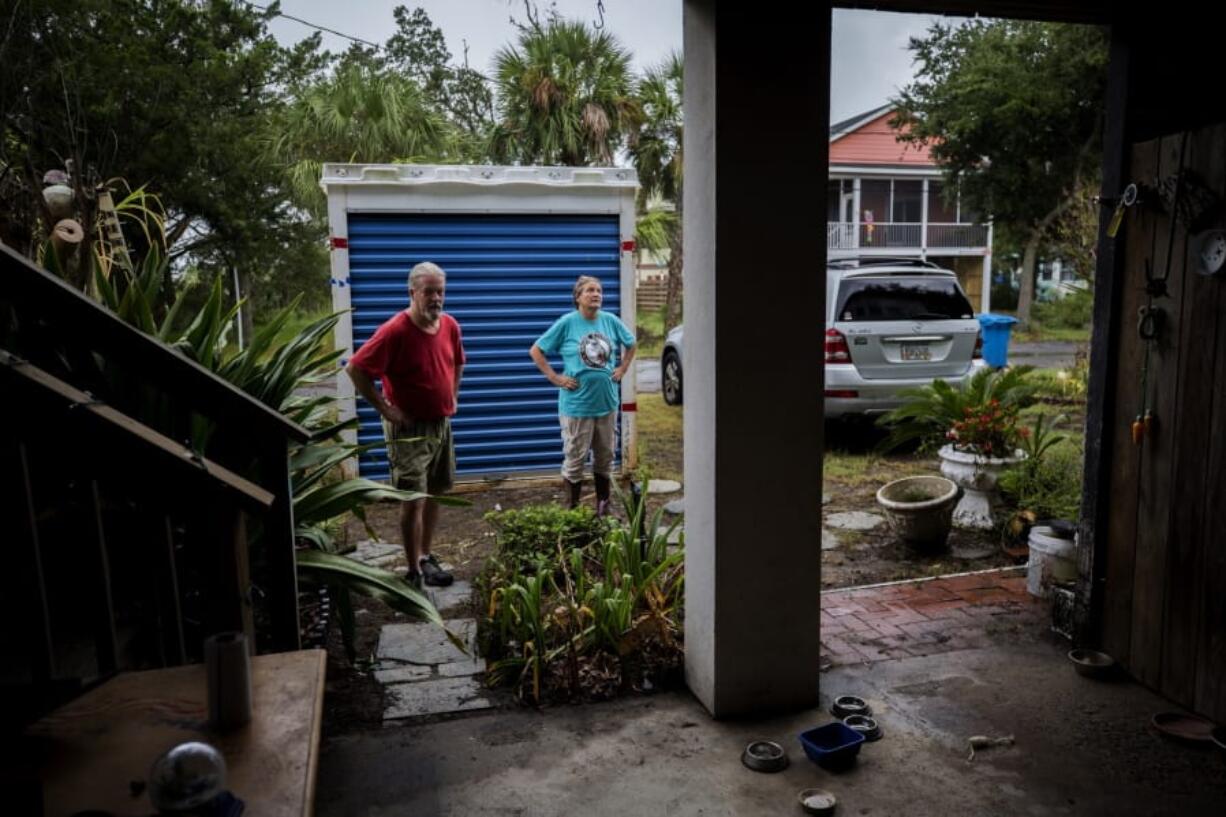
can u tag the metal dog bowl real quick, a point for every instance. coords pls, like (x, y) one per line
(1091, 663)
(845, 705)
(765, 756)
(818, 801)
(865, 725)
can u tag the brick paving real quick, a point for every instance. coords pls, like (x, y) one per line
(924, 617)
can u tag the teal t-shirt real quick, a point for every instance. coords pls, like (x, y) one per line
(589, 352)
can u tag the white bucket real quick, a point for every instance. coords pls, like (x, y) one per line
(1052, 559)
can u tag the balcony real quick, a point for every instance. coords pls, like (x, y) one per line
(896, 236)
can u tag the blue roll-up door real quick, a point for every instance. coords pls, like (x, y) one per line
(508, 279)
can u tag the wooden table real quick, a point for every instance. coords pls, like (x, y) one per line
(94, 747)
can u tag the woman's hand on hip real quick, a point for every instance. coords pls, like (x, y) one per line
(566, 382)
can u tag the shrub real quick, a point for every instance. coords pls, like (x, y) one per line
(1073, 311)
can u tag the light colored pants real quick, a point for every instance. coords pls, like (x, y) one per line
(583, 434)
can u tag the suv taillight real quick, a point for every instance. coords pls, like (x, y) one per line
(978, 347)
(836, 347)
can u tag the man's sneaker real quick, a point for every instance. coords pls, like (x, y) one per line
(413, 577)
(433, 572)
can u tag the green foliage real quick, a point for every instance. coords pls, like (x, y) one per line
(527, 534)
(1072, 311)
(565, 97)
(358, 114)
(581, 619)
(270, 369)
(1010, 110)
(1049, 485)
(174, 94)
(655, 145)
(931, 411)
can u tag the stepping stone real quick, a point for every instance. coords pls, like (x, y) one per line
(399, 675)
(440, 696)
(675, 537)
(829, 540)
(663, 486)
(377, 554)
(454, 596)
(854, 520)
(424, 644)
(676, 507)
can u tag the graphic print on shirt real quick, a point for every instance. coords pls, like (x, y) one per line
(595, 350)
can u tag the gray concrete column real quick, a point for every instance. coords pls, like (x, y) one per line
(756, 148)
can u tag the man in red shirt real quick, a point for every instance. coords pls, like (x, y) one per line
(418, 355)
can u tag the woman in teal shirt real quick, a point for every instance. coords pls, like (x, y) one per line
(588, 341)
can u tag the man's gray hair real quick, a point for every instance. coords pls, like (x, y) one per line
(422, 270)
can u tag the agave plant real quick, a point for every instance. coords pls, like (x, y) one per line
(271, 371)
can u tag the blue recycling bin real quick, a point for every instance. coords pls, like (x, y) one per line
(996, 329)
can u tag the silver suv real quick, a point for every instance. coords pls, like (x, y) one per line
(891, 324)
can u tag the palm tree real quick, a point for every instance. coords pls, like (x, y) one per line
(565, 96)
(358, 114)
(655, 147)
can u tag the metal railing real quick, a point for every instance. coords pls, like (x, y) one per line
(901, 235)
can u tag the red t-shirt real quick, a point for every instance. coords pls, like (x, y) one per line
(417, 368)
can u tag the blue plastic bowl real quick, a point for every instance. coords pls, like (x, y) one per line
(833, 746)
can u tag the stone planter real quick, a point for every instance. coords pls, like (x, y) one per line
(920, 510)
(977, 477)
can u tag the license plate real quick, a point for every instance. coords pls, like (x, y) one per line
(916, 351)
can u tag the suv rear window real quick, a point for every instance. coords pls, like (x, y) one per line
(901, 299)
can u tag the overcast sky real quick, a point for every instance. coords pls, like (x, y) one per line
(869, 58)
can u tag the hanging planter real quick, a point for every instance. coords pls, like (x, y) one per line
(977, 476)
(920, 510)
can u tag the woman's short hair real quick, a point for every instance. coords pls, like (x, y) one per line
(583, 281)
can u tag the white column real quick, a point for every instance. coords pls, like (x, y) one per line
(338, 228)
(753, 360)
(924, 219)
(986, 297)
(855, 198)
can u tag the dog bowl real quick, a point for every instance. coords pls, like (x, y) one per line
(865, 726)
(1091, 663)
(1183, 727)
(765, 756)
(817, 801)
(845, 705)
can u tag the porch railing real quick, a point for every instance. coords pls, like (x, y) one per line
(904, 235)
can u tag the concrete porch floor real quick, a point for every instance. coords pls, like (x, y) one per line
(1082, 747)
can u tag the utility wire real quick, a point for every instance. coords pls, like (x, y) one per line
(315, 26)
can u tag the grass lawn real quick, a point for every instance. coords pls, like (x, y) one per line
(1039, 333)
(659, 438)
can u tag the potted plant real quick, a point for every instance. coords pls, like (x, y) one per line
(982, 445)
(976, 429)
(920, 510)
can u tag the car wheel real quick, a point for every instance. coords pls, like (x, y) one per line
(670, 377)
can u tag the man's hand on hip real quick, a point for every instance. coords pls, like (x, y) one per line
(394, 415)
